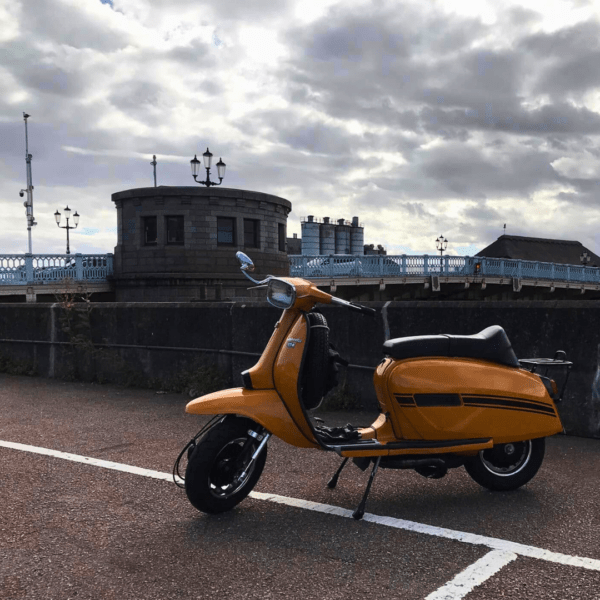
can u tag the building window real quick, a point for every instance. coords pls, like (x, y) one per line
(225, 231)
(149, 228)
(251, 233)
(281, 237)
(174, 230)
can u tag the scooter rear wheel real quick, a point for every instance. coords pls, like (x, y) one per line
(507, 466)
(212, 477)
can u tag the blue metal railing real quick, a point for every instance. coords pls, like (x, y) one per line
(336, 266)
(28, 269)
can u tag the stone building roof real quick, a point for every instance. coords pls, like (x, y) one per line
(544, 250)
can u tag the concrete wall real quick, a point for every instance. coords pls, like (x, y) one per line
(536, 329)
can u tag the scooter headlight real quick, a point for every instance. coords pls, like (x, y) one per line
(281, 294)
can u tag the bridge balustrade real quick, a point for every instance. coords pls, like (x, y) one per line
(338, 266)
(28, 269)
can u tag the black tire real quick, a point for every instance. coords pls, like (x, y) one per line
(210, 482)
(315, 371)
(507, 466)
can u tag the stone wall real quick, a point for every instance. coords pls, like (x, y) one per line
(536, 329)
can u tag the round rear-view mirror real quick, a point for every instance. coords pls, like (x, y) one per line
(246, 263)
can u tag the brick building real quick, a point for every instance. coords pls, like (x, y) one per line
(179, 243)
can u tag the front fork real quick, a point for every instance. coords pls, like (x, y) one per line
(263, 438)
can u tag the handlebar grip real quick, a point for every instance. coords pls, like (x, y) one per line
(362, 309)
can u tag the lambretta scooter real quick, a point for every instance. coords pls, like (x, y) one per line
(446, 401)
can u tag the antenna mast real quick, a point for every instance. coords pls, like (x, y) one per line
(28, 204)
(153, 163)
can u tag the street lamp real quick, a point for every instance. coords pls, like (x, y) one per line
(207, 156)
(67, 212)
(585, 259)
(441, 244)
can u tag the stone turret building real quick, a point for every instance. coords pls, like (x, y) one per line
(178, 244)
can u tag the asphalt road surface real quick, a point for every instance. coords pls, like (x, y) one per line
(71, 529)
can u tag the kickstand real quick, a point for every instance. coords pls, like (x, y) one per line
(333, 481)
(360, 511)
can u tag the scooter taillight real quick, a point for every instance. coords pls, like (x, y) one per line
(550, 386)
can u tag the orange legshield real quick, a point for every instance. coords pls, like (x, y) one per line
(273, 401)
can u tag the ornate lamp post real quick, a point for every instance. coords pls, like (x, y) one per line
(67, 212)
(207, 156)
(585, 259)
(441, 244)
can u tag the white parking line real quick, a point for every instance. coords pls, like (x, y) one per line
(460, 536)
(466, 581)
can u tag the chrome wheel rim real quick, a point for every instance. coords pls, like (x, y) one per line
(506, 460)
(224, 476)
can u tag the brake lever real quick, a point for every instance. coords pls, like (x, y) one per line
(365, 310)
(362, 309)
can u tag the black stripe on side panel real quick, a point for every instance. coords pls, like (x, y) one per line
(404, 400)
(426, 400)
(508, 403)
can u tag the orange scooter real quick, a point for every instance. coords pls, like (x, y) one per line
(446, 401)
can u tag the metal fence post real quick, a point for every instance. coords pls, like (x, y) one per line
(109, 264)
(29, 267)
(404, 264)
(425, 264)
(78, 267)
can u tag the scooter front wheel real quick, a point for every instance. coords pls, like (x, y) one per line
(220, 473)
(507, 466)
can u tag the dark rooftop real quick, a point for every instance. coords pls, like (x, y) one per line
(544, 250)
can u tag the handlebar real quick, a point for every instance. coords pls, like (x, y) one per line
(353, 306)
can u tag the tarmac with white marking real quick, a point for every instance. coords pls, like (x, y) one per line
(88, 509)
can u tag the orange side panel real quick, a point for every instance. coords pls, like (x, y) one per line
(263, 406)
(516, 405)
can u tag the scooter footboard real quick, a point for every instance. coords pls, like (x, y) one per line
(263, 406)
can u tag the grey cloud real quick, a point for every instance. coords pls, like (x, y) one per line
(423, 90)
(192, 54)
(57, 22)
(415, 209)
(298, 133)
(136, 95)
(566, 43)
(54, 80)
(355, 39)
(483, 212)
(225, 10)
(564, 61)
(317, 138)
(462, 172)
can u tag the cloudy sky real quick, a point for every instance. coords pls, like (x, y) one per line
(421, 117)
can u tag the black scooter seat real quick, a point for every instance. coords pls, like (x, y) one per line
(490, 344)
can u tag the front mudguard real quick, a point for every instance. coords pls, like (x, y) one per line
(265, 407)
